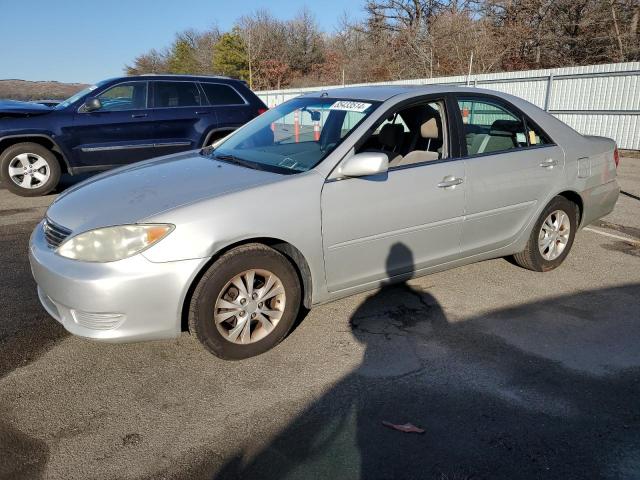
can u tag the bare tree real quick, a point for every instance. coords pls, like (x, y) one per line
(399, 39)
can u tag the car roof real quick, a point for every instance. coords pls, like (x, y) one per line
(382, 93)
(170, 76)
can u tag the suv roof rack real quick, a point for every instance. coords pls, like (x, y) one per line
(185, 75)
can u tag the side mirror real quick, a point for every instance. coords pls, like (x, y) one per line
(364, 164)
(92, 105)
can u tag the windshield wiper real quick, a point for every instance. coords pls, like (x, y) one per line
(237, 161)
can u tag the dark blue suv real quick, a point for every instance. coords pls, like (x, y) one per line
(116, 122)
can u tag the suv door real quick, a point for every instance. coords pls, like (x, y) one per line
(512, 166)
(119, 132)
(416, 208)
(181, 117)
(230, 107)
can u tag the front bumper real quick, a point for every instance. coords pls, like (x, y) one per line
(128, 300)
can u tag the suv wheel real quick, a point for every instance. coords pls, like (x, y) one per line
(29, 169)
(245, 303)
(552, 236)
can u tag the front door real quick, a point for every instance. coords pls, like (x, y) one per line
(118, 133)
(405, 220)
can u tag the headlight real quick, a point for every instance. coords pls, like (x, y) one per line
(113, 243)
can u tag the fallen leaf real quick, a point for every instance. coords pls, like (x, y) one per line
(406, 428)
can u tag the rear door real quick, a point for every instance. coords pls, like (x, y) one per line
(511, 166)
(118, 133)
(181, 116)
(231, 108)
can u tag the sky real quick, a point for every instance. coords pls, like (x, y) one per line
(86, 41)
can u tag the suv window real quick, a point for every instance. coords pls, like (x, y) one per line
(490, 127)
(219, 94)
(124, 96)
(176, 94)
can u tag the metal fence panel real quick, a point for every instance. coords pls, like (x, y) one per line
(594, 99)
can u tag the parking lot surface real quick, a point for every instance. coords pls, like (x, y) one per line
(511, 373)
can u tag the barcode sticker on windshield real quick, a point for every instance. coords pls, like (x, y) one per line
(350, 106)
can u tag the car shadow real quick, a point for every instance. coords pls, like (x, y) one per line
(517, 393)
(26, 329)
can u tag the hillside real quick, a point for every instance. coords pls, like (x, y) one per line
(27, 90)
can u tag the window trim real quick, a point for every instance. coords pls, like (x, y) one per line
(147, 107)
(209, 104)
(195, 82)
(501, 102)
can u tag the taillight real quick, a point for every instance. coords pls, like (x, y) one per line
(262, 110)
(616, 156)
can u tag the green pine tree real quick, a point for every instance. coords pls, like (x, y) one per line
(230, 56)
(182, 58)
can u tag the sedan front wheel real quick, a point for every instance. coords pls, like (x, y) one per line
(245, 303)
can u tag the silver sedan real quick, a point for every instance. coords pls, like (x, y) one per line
(324, 196)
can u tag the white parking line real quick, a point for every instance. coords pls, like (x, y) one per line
(606, 234)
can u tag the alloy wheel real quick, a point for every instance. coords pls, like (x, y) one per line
(554, 235)
(29, 170)
(249, 306)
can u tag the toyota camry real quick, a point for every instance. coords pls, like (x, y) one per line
(304, 204)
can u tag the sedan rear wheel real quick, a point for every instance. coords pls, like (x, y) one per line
(554, 235)
(551, 237)
(246, 302)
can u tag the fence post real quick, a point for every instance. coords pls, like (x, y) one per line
(547, 99)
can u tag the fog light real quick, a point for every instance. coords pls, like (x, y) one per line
(97, 321)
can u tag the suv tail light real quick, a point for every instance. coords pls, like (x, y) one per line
(262, 110)
(616, 156)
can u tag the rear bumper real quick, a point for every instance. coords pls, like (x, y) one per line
(128, 300)
(599, 201)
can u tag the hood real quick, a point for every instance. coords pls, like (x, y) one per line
(16, 108)
(131, 194)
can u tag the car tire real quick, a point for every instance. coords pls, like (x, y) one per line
(40, 166)
(552, 236)
(220, 308)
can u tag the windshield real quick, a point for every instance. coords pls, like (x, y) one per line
(74, 98)
(295, 136)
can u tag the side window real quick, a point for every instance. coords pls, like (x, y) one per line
(219, 94)
(176, 94)
(412, 135)
(124, 96)
(536, 135)
(490, 127)
(393, 119)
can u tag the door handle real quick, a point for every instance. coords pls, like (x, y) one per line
(450, 181)
(139, 115)
(549, 163)
(202, 113)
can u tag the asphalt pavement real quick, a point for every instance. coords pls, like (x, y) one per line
(512, 374)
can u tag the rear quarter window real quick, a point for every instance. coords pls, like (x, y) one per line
(219, 94)
(176, 94)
